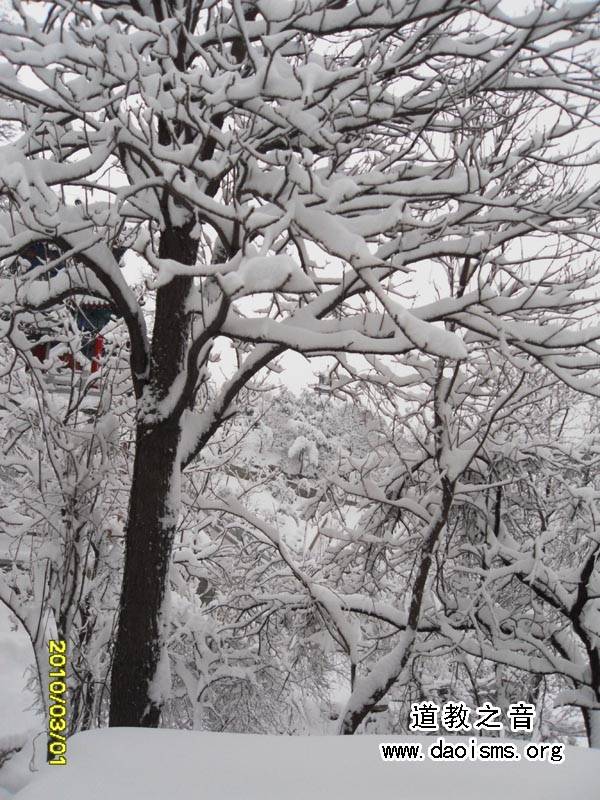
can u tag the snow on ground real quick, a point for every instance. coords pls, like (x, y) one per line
(127, 764)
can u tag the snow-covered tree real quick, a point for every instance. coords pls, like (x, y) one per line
(63, 479)
(241, 619)
(283, 170)
(505, 588)
(529, 565)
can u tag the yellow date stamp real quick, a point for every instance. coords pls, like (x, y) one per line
(57, 708)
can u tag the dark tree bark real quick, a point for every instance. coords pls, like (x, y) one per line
(148, 544)
(153, 505)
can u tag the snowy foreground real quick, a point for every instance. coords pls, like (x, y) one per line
(127, 764)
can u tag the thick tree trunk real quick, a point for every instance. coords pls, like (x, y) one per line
(147, 557)
(153, 505)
